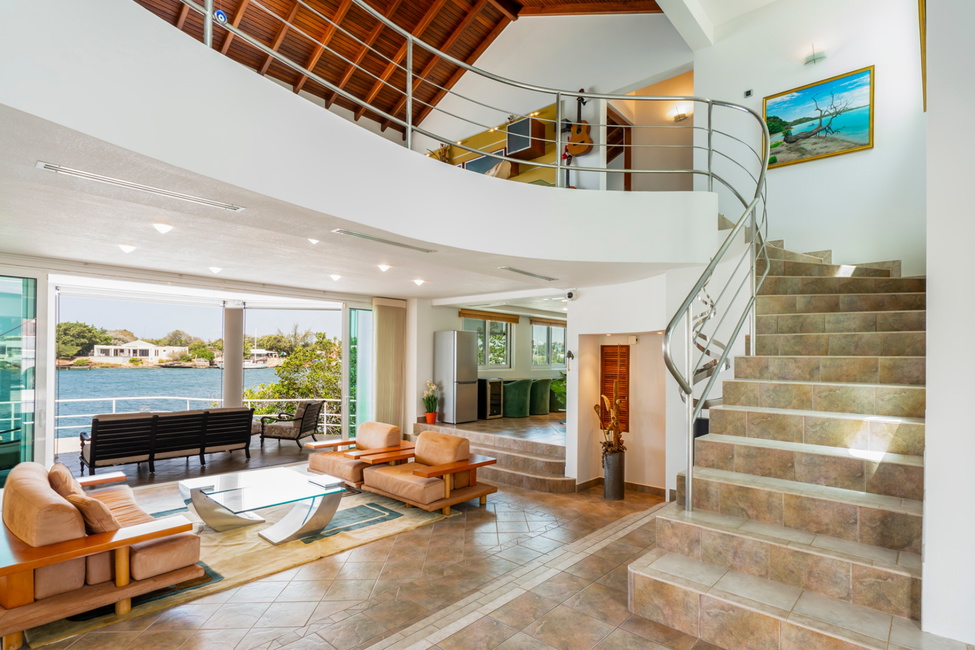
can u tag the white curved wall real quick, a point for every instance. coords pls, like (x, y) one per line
(112, 70)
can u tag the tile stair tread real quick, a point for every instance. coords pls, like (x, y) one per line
(838, 452)
(836, 267)
(903, 562)
(491, 450)
(841, 333)
(854, 624)
(837, 384)
(792, 256)
(521, 472)
(842, 495)
(890, 419)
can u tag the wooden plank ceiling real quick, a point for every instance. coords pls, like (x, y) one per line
(305, 32)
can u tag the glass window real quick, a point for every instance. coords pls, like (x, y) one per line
(493, 342)
(548, 345)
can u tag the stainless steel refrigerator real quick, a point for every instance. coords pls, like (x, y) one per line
(455, 370)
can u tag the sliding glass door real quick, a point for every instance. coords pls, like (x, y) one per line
(18, 326)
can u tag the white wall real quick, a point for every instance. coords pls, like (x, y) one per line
(635, 308)
(652, 145)
(602, 54)
(865, 206)
(949, 483)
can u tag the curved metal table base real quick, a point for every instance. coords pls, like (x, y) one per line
(308, 516)
(218, 517)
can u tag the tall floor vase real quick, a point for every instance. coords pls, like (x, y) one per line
(613, 466)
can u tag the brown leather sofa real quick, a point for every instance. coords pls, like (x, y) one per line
(65, 551)
(371, 438)
(443, 472)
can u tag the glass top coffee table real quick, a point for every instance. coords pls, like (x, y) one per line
(227, 501)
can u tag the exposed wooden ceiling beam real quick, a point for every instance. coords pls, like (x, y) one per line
(363, 51)
(454, 78)
(428, 68)
(591, 8)
(509, 8)
(420, 27)
(323, 42)
(235, 21)
(183, 11)
(282, 32)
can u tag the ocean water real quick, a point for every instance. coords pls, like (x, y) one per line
(135, 383)
(853, 126)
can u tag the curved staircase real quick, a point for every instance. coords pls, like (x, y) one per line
(806, 531)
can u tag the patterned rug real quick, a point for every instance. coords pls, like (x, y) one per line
(234, 557)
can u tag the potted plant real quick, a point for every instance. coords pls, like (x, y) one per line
(558, 393)
(430, 400)
(612, 446)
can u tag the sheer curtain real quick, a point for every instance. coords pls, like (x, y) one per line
(389, 343)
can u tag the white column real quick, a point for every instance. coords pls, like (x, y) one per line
(233, 355)
(948, 594)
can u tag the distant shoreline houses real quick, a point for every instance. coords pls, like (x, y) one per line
(142, 350)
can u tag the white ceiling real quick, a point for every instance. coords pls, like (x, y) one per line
(49, 215)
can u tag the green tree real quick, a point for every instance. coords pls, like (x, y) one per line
(78, 339)
(176, 338)
(310, 372)
(275, 342)
(297, 338)
(199, 350)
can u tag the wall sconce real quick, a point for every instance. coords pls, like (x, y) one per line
(815, 57)
(680, 113)
(568, 360)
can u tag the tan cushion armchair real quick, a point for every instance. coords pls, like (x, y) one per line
(443, 473)
(371, 438)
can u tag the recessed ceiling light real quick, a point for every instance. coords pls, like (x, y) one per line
(162, 227)
(126, 248)
(384, 267)
(565, 309)
(216, 269)
(313, 241)
(380, 240)
(98, 178)
(417, 282)
(336, 277)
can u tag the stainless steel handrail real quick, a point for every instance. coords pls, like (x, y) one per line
(751, 198)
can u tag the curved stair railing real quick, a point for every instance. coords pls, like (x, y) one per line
(728, 148)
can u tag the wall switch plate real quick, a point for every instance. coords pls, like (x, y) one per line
(748, 93)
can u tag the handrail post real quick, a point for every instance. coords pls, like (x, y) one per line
(710, 147)
(558, 139)
(409, 93)
(689, 407)
(752, 328)
(208, 24)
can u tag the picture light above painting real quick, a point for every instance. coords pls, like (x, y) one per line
(822, 119)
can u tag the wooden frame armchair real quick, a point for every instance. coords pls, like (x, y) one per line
(372, 438)
(42, 533)
(285, 426)
(443, 473)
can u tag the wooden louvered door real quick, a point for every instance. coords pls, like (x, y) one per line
(614, 366)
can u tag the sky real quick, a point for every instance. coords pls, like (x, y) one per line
(854, 89)
(153, 320)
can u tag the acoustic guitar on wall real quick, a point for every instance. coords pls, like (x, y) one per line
(580, 140)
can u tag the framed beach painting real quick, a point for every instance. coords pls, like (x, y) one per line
(826, 118)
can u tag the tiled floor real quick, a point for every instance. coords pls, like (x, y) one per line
(530, 570)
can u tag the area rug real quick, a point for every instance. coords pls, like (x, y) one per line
(235, 557)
